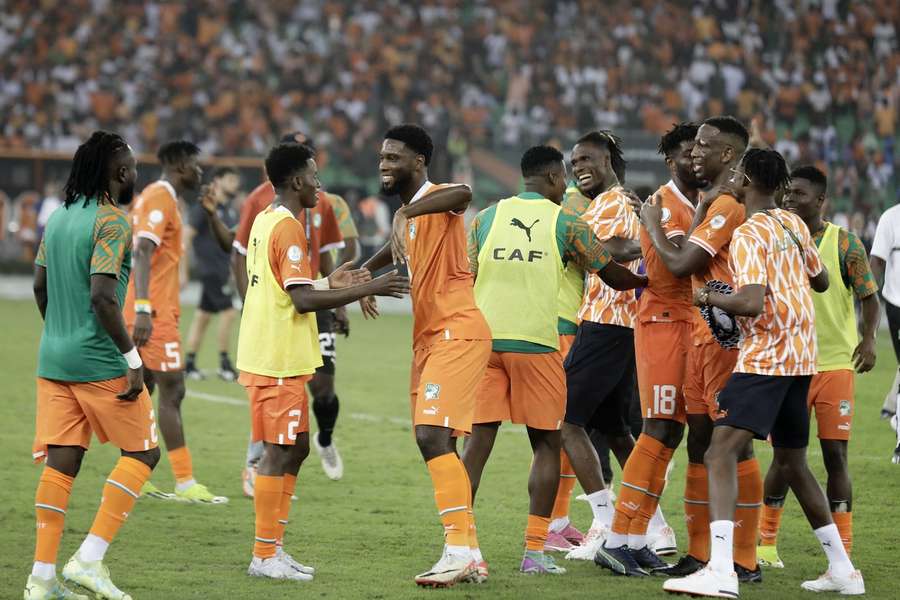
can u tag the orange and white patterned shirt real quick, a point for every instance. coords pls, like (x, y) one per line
(609, 216)
(782, 339)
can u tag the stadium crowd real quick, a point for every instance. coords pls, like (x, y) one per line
(232, 75)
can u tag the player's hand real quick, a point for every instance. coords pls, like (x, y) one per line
(398, 237)
(701, 296)
(143, 329)
(346, 276)
(369, 307)
(634, 201)
(651, 211)
(864, 356)
(135, 380)
(391, 284)
(208, 199)
(341, 321)
(756, 137)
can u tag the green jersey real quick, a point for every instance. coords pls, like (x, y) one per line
(81, 240)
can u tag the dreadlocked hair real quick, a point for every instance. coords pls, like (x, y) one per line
(606, 139)
(766, 169)
(89, 177)
(673, 138)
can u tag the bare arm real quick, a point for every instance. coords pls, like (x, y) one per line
(820, 282)
(620, 278)
(878, 265)
(239, 269)
(350, 253)
(680, 258)
(623, 249)
(449, 199)
(864, 354)
(326, 264)
(749, 301)
(223, 235)
(40, 289)
(379, 260)
(306, 299)
(143, 323)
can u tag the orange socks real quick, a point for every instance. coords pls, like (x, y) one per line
(267, 503)
(844, 522)
(746, 513)
(636, 478)
(453, 496)
(769, 522)
(696, 511)
(123, 486)
(536, 532)
(50, 502)
(567, 482)
(182, 467)
(284, 510)
(637, 529)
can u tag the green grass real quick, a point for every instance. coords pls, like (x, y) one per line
(370, 533)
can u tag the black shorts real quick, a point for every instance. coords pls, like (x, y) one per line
(216, 294)
(893, 318)
(600, 378)
(325, 323)
(767, 404)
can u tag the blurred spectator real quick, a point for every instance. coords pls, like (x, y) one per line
(374, 225)
(49, 204)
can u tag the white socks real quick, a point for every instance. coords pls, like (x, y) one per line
(721, 555)
(617, 540)
(658, 521)
(476, 555)
(93, 548)
(838, 562)
(557, 525)
(461, 551)
(44, 570)
(601, 506)
(185, 484)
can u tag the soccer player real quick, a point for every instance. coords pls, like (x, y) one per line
(152, 307)
(717, 151)
(451, 339)
(831, 391)
(89, 372)
(278, 349)
(518, 249)
(662, 340)
(214, 271)
(775, 262)
(886, 266)
(600, 365)
(324, 236)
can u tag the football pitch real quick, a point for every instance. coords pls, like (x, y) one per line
(370, 533)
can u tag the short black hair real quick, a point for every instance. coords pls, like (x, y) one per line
(298, 137)
(89, 175)
(673, 138)
(537, 158)
(176, 152)
(766, 168)
(284, 160)
(224, 170)
(606, 139)
(811, 174)
(413, 136)
(728, 124)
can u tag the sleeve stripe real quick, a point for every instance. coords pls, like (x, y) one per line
(239, 247)
(702, 244)
(297, 281)
(147, 235)
(335, 246)
(674, 233)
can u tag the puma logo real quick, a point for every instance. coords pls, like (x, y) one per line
(720, 537)
(526, 228)
(827, 544)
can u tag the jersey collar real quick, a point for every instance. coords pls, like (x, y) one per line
(422, 191)
(674, 188)
(531, 196)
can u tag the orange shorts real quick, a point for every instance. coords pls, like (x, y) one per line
(831, 394)
(708, 368)
(68, 412)
(444, 380)
(529, 389)
(162, 352)
(278, 412)
(661, 351)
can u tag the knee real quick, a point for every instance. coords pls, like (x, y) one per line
(835, 458)
(148, 457)
(428, 444)
(173, 393)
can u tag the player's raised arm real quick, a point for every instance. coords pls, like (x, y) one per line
(223, 235)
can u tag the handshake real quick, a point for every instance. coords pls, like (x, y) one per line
(390, 284)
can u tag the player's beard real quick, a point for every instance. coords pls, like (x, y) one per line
(126, 195)
(398, 184)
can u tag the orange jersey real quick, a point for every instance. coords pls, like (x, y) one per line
(668, 298)
(782, 339)
(724, 215)
(609, 216)
(156, 217)
(442, 293)
(324, 233)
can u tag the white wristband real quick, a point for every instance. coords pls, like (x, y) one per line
(321, 284)
(133, 359)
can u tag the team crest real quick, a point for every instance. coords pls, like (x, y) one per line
(156, 216)
(317, 220)
(412, 236)
(717, 222)
(294, 254)
(666, 215)
(845, 408)
(432, 391)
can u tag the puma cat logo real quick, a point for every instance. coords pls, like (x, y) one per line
(526, 228)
